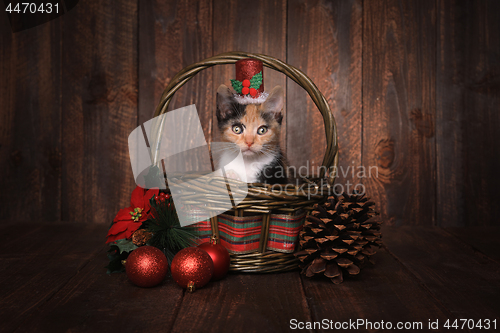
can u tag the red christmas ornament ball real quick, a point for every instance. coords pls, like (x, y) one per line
(246, 83)
(146, 266)
(245, 90)
(253, 92)
(192, 268)
(219, 256)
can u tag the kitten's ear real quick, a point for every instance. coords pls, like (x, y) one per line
(274, 103)
(225, 101)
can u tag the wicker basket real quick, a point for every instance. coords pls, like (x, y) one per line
(262, 198)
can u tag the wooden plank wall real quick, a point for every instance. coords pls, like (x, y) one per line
(413, 85)
(99, 108)
(30, 122)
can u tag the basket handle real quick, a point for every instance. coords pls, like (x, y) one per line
(330, 160)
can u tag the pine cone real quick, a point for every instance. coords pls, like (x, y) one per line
(338, 237)
(141, 237)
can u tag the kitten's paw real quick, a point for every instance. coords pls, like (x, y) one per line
(232, 174)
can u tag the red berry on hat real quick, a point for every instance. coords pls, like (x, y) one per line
(245, 90)
(246, 83)
(253, 92)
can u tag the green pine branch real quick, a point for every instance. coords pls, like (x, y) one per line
(168, 235)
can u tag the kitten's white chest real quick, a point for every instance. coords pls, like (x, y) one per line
(254, 166)
(250, 169)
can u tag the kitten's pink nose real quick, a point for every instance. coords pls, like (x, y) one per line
(249, 139)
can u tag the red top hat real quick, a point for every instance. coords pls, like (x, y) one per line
(249, 83)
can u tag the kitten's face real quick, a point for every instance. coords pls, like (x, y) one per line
(253, 131)
(255, 128)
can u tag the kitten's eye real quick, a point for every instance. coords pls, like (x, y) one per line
(262, 130)
(237, 129)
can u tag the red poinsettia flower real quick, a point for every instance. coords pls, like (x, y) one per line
(129, 219)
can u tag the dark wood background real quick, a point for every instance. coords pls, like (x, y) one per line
(414, 87)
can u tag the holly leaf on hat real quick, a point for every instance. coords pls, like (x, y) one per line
(237, 86)
(256, 81)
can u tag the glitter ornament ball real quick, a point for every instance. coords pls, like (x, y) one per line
(192, 268)
(219, 256)
(146, 266)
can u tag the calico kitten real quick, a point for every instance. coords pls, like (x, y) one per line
(255, 129)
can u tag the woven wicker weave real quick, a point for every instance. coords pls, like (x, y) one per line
(262, 198)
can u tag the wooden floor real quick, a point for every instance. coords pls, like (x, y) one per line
(53, 280)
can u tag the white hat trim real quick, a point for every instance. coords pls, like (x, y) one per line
(244, 100)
